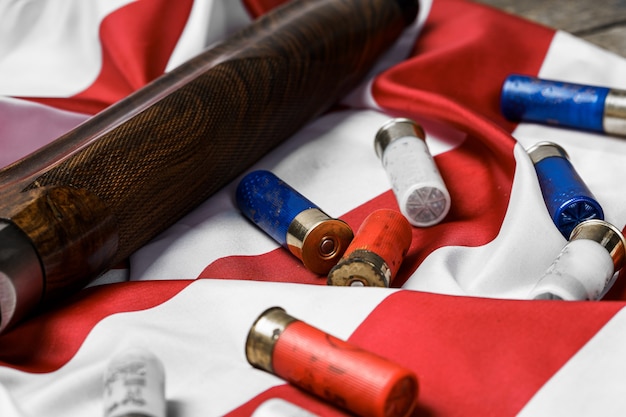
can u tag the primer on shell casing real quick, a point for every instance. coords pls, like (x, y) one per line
(293, 220)
(415, 179)
(586, 264)
(374, 256)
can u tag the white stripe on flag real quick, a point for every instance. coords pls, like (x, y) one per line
(8, 407)
(26, 126)
(511, 264)
(199, 335)
(210, 21)
(51, 48)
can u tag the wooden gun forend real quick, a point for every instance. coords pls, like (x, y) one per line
(95, 195)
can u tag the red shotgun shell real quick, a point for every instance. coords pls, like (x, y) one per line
(376, 252)
(341, 373)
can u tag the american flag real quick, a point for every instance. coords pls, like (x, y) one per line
(457, 313)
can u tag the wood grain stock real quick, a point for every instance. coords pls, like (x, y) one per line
(143, 163)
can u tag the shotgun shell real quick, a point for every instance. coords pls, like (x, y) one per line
(374, 256)
(577, 106)
(567, 198)
(277, 407)
(293, 221)
(415, 179)
(134, 385)
(585, 266)
(347, 376)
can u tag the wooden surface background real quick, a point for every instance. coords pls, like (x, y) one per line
(602, 22)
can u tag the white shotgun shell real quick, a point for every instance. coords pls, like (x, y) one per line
(415, 179)
(586, 265)
(134, 385)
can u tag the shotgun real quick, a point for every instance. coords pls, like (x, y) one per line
(74, 208)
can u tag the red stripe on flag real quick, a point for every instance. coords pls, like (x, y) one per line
(257, 8)
(294, 396)
(473, 356)
(464, 53)
(128, 62)
(55, 336)
(275, 266)
(480, 356)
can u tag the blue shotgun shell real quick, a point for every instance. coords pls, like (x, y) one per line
(293, 221)
(567, 197)
(578, 106)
